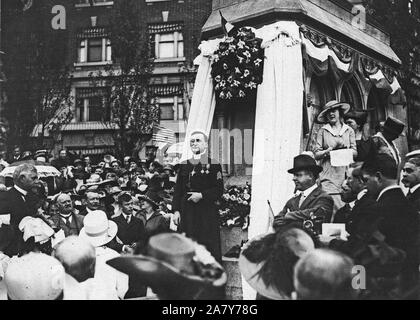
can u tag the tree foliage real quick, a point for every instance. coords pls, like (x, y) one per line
(133, 108)
(39, 83)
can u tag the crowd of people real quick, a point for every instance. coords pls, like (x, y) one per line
(139, 229)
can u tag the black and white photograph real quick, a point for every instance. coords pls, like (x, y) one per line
(227, 151)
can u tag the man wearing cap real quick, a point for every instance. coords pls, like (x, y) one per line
(383, 141)
(199, 185)
(310, 199)
(67, 220)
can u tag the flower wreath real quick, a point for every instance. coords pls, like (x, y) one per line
(237, 66)
(235, 206)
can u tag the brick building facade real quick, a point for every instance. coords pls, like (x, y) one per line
(174, 28)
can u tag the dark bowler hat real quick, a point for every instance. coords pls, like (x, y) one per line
(334, 104)
(393, 126)
(305, 162)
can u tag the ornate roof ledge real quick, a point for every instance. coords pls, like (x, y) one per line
(325, 15)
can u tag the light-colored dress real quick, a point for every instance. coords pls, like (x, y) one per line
(332, 178)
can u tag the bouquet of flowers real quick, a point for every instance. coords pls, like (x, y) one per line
(237, 66)
(235, 207)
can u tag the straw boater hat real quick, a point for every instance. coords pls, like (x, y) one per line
(98, 230)
(334, 104)
(175, 267)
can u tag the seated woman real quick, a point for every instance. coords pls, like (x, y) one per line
(334, 135)
(267, 263)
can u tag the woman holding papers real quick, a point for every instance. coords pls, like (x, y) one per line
(335, 148)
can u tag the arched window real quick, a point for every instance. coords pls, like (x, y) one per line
(321, 91)
(350, 93)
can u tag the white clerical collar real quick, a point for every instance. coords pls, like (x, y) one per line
(413, 189)
(24, 192)
(198, 156)
(387, 189)
(307, 192)
(344, 128)
(361, 194)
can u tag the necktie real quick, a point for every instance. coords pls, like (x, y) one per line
(127, 219)
(409, 194)
(302, 199)
(67, 221)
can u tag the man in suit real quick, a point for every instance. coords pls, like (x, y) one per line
(19, 201)
(131, 232)
(199, 185)
(392, 217)
(67, 220)
(91, 201)
(356, 197)
(311, 199)
(411, 179)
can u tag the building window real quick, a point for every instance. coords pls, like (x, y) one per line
(92, 105)
(350, 93)
(169, 45)
(95, 50)
(171, 108)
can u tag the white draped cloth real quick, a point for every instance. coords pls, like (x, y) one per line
(278, 122)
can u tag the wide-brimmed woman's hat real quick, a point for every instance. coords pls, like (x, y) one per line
(334, 104)
(297, 241)
(175, 267)
(152, 197)
(98, 230)
(305, 162)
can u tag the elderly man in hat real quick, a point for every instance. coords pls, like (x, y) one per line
(199, 185)
(67, 219)
(311, 200)
(383, 141)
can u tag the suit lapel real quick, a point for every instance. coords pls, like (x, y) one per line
(310, 198)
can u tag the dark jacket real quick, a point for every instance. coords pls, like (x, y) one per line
(318, 202)
(155, 225)
(71, 229)
(395, 218)
(353, 217)
(414, 199)
(200, 221)
(11, 202)
(131, 233)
